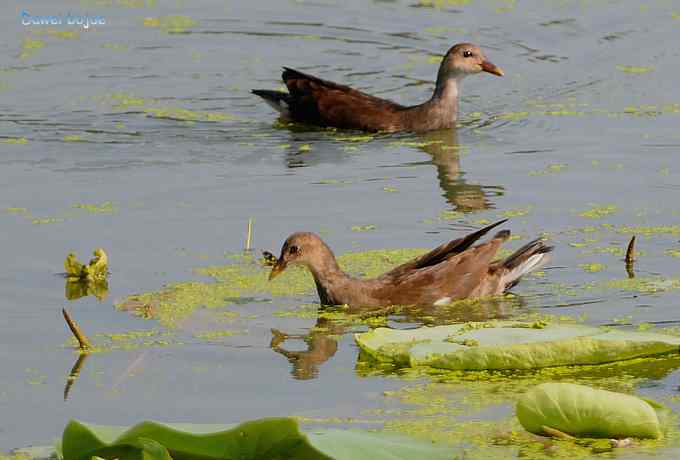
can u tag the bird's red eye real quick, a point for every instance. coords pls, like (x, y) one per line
(467, 53)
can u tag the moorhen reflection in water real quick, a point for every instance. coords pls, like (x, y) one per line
(464, 197)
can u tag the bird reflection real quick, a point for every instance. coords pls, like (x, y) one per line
(443, 146)
(322, 343)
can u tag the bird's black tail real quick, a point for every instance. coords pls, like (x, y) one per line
(278, 100)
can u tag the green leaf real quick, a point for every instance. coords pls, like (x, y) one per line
(510, 345)
(582, 411)
(96, 270)
(271, 438)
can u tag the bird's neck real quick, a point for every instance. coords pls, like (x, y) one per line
(328, 277)
(444, 100)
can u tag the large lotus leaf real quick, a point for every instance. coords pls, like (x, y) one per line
(582, 411)
(511, 345)
(273, 438)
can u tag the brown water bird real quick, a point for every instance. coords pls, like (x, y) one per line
(453, 271)
(320, 102)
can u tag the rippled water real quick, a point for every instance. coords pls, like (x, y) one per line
(586, 118)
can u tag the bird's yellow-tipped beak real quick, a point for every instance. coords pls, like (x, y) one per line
(492, 68)
(277, 269)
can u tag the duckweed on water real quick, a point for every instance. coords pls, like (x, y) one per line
(130, 340)
(634, 69)
(16, 210)
(29, 47)
(593, 267)
(172, 113)
(516, 212)
(171, 24)
(15, 141)
(599, 211)
(106, 207)
(550, 169)
(363, 228)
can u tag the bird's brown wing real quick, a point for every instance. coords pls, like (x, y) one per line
(325, 103)
(460, 275)
(438, 254)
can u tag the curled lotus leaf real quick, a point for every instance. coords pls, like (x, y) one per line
(582, 411)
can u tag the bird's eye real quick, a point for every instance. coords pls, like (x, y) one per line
(467, 53)
(293, 250)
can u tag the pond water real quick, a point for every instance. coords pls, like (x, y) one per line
(140, 136)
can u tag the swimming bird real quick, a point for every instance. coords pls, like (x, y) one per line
(453, 271)
(314, 101)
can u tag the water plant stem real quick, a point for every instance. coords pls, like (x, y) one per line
(83, 341)
(249, 238)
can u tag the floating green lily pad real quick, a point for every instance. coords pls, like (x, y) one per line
(582, 411)
(511, 345)
(270, 438)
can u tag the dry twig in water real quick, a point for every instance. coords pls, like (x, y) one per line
(83, 341)
(630, 257)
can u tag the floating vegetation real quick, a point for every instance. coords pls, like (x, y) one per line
(305, 148)
(647, 285)
(634, 69)
(15, 141)
(510, 345)
(550, 169)
(275, 438)
(361, 138)
(649, 231)
(180, 114)
(171, 24)
(363, 228)
(123, 101)
(333, 182)
(593, 267)
(16, 210)
(599, 211)
(514, 116)
(29, 46)
(673, 252)
(73, 138)
(216, 336)
(450, 215)
(390, 189)
(47, 220)
(581, 411)
(132, 340)
(442, 3)
(97, 269)
(115, 46)
(454, 408)
(516, 212)
(106, 207)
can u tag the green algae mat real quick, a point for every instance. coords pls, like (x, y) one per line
(270, 438)
(508, 345)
